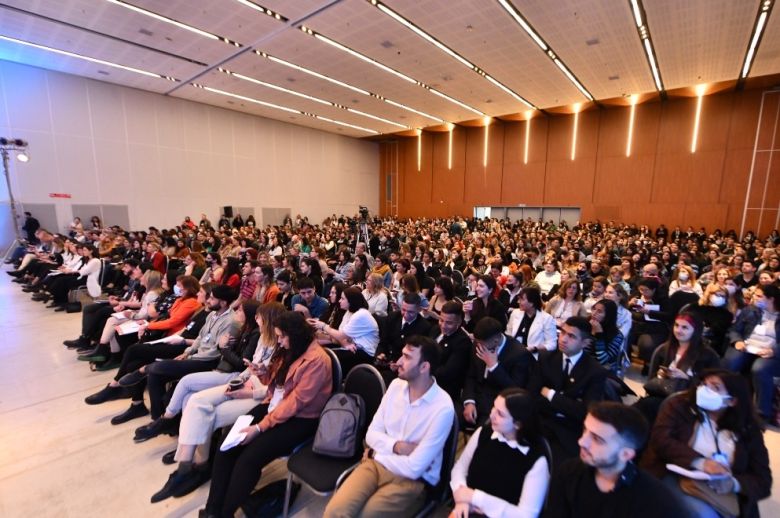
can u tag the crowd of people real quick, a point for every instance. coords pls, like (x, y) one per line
(521, 331)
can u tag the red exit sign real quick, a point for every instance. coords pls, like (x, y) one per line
(59, 195)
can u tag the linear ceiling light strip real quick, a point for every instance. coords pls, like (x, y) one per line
(640, 19)
(384, 67)
(173, 22)
(88, 58)
(307, 96)
(447, 50)
(755, 38)
(264, 10)
(283, 108)
(523, 23)
(345, 85)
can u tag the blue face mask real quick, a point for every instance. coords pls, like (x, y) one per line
(761, 304)
(177, 290)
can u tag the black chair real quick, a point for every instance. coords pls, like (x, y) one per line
(440, 493)
(335, 366)
(324, 474)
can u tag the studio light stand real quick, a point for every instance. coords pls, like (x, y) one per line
(20, 147)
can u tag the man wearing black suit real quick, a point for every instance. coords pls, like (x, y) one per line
(400, 325)
(455, 349)
(568, 380)
(498, 362)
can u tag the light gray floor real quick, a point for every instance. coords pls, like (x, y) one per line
(62, 458)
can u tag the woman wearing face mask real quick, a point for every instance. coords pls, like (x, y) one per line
(511, 439)
(678, 363)
(713, 428)
(713, 310)
(753, 339)
(684, 279)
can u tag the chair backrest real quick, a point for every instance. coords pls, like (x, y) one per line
(655, 359)
(367, 382)
(439, 493)
(335, 365)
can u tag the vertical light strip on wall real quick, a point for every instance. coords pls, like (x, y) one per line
(449, 147)
(528, 115)
(699, 96)
(485, 151)
(419, 150)
(574, 130)
(631, 125)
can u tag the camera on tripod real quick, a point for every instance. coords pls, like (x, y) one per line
(363, 213)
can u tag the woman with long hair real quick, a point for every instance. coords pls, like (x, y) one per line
(358, 333)
(617, 294)
(360, 272)
(566, 303)
(443, 292)
(607, 343)
(484, 304)
(288, 416)
(713, 427)
(376, 295)
(232, 272)
(512, 439)
(334, 314)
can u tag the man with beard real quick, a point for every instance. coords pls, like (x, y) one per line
(604, 481)
(405, 441)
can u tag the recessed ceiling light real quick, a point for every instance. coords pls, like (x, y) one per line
(447, 50)
(171, 21)
(386, 68)
(523, 23)
(87, 58)
(282, 108)
(343, 84)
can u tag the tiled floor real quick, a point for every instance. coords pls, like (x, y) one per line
(62, 458)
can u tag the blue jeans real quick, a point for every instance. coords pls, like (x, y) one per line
(762, 371)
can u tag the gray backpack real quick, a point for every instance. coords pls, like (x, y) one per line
(342, 423)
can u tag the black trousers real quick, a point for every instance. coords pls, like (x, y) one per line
(159, 374)
(93, 318)
(138, 355)
(348, 359)
(62, 284)
(237, 471)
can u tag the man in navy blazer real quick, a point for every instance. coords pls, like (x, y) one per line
(455, 349)
(498, 362)
(567, 380)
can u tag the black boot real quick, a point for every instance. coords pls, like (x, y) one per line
(107, 393)
(101, 354)
(135, 410)
(78, 343)
(157, 427)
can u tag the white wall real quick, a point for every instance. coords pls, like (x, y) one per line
(166, 157)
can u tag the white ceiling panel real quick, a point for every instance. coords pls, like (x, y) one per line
(697, 41)
(597, 41)
(703, 41)
(487, 36)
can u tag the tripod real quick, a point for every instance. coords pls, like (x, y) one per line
(362, 232)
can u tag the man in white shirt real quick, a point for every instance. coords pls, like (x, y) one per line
(405, 441)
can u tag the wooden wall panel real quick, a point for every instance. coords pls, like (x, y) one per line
(661, 182)
(766, 131)
(772, 198)
(760, 171)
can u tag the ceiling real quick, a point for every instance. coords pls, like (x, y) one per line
(696, 42)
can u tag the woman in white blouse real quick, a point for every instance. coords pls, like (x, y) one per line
(358, 333)
(376, 295)
(511, 440)
(566, 303)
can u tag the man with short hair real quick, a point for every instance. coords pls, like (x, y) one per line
(248, 283)
(748, 278)
(307, 301)
(286, 294)
(455, 349)
(604, 481)
(597, 289)
(405, 441)
(567, 380)
(498, 362)
(400, 326)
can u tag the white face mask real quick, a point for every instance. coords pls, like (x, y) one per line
(717, 300)
(683, 277)
(731, 289)
(708, 399)
(177, 290)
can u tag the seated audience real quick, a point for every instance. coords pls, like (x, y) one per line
(529, 325)
(607, 343)
(405, 441)
(566, 302)
(712, 428)
(376, 295)
(498, 362)
(567, 381)
(287, 417)
(484, 304)
(605, 481)
(511, 439)
(455, 347)
(307, 301)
